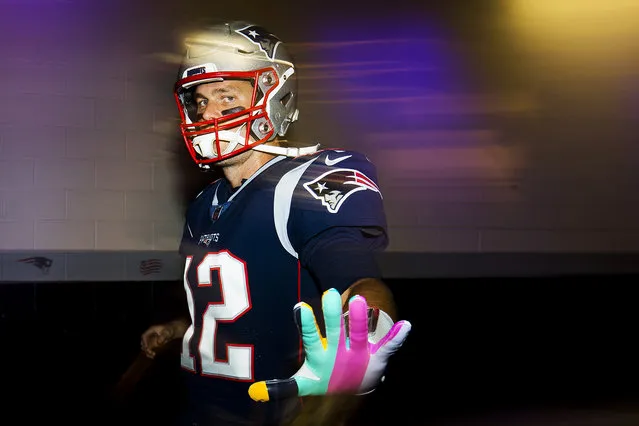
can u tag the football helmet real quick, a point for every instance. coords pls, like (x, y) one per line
(245, 51)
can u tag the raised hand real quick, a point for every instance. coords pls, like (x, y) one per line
(346, 360)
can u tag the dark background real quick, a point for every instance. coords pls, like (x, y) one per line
(479, 347)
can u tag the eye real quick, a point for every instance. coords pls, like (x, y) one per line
(202, 103)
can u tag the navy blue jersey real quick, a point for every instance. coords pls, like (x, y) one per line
(243, 273)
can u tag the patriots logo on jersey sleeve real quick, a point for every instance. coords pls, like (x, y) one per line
(334, 187)
(266, 41)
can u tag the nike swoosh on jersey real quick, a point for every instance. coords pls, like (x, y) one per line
(334, 161)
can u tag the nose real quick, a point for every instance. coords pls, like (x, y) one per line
(211, 112)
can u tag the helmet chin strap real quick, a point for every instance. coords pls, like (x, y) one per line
(287, 151)
(204, 145)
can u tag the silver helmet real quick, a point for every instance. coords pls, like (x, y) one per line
(237, 50)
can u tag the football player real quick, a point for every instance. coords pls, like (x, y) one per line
(285, 233)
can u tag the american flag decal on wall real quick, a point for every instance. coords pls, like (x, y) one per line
(150, 266)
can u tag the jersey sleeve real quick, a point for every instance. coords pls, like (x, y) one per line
(337, 189)
(340, 256)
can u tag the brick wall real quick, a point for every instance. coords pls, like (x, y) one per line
(521, 147)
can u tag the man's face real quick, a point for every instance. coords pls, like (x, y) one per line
(223, 98)
(220, 98)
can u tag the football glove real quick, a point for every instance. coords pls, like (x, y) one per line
(351, 359)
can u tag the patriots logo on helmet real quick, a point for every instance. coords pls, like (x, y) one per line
(266, 41)
(334, 187)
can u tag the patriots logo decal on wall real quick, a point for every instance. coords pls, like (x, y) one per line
(40, 262)
(266, 41)
(334, 187)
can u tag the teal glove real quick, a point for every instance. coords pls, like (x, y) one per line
(343, 362)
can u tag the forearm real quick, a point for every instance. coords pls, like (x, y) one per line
(376, 293)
